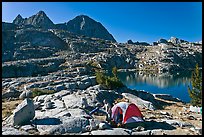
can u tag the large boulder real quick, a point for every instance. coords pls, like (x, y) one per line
(109, 95)
(83, 86)
(138, 101)
(24, 112)
(71, 85)
(73, 125)
(12, 131)
(11, 93)
(93, 80)
(26, 94)
(59, 88)
(104, 125)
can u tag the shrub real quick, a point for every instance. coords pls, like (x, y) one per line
(196, 91)
(108, 81)
(114, 71)
(102, 41)
(38, 92)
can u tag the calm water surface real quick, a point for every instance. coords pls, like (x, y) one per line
(175, 85)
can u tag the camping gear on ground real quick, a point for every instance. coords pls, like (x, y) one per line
(107, 107)
(87, 117)
(201, 110)
(196, 109)
(84, 103)
(94, 110)
(92, 124)
(131, 115)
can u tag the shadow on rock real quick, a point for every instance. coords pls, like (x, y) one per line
(151, 125)
(47, 121)
(161, 104)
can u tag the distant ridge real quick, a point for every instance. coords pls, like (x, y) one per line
(81, 25)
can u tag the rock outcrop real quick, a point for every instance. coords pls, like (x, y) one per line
(24, 112)
(84, 25)
(39, 20)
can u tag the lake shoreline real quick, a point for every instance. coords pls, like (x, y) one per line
(174, 84)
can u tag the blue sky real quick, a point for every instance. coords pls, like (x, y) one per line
(139, 21)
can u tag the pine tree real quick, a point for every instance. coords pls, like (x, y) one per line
(196, 91)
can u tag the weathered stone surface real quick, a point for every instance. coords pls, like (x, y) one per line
(174, 40)
(178, 123)
(167, 97)
(24, 112)
(93, 80)
(59, 88)
(104, 125)
(37, 105)
(88, 27)
(157, 132)
(63, 93)
(28, 127)
(71, 85)
(83, 86)
(109, 95)
(74, 125)
(113, 131)
(26, 94)
(148, 132)
(48, 105)
(11, 93)
(38, 20)
(138, 101)
(72, 101)
(12, 131)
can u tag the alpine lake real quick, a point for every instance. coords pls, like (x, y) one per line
(174, 84)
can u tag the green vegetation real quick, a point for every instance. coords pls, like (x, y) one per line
(108, 81)
(38, 92)
(196, 91)
(102, 41)
(114, 71)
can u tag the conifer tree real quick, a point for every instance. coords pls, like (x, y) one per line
(196, 91)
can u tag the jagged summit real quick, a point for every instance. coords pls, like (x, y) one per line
(38, 20)
(18, 20)
(176, 40)
(80, 25)
(84, 25)
(41, 13)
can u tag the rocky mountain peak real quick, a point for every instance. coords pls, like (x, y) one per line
(18, 20)
(42, 13)
(175, 40)
(38, 20)
(84, 25)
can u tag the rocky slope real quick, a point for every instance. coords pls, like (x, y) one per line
(61, 112)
